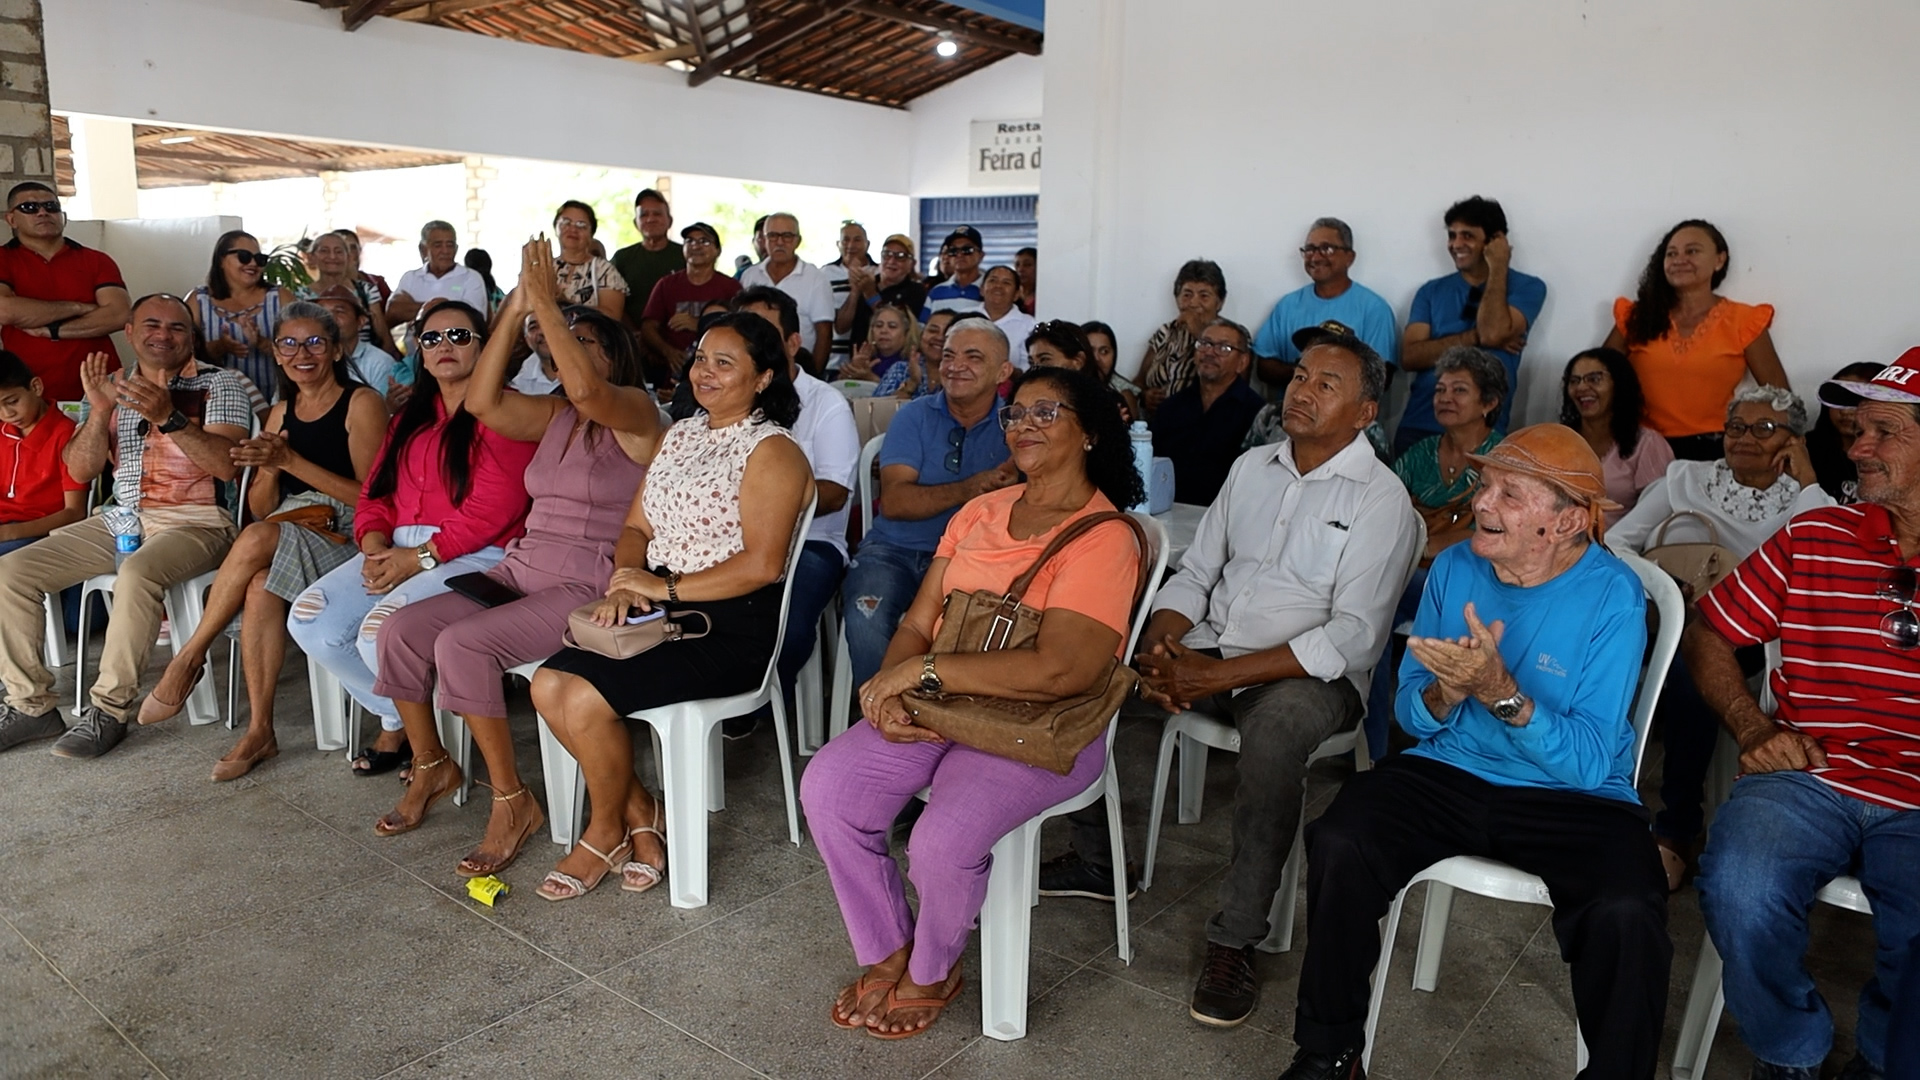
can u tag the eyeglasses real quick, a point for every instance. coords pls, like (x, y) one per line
(1221, 347)
(244, 257)
(44, 206)
(573, 223)
(459, 335)
(697, 240)
(1763, 430)
(1901, 628)
(1043, 413)
(1592, 379)
(312, 346)
(955, 439)
(968, 250)
(782, 235)
(1323, 249)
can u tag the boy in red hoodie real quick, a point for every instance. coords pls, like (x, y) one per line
(37, 494)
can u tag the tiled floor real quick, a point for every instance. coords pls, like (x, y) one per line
(158, 924)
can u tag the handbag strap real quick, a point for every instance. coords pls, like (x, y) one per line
(1659, 536)
(1017, 591)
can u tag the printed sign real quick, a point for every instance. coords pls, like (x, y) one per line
(1005, 154)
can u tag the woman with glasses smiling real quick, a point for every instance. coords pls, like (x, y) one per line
(1600, 398)
(585, 278)
(309, 461)
(445, 494)
(236, 310)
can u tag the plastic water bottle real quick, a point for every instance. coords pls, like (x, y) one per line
(125, 526)
(1142, 461)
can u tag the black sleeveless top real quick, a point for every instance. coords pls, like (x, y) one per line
(323, 442)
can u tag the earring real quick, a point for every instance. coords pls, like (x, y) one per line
(1089, 445)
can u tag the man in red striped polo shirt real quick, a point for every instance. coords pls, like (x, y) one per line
(1831, 783)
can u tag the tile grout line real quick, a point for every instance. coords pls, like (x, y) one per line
(1481, 1011)
(108, 1020)
(482, 1029)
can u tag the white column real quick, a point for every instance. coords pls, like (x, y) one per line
(106, 185)
(1082, 115)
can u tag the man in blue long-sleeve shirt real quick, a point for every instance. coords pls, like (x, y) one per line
(1519, 683)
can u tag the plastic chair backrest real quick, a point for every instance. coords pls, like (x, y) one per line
(862, 519)
(769, 682)
(1157, 564)
(1666, 598)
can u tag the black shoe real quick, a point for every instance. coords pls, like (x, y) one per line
(734, 728)
(1308, 1065)
(17, 727)
(1766, 1071)
(1070, 875)
(1227, 990)
(93, 733)
(1860, 1069)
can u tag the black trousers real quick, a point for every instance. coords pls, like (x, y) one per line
(1595, 855)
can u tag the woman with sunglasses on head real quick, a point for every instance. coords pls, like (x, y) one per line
(334, 264)
(236, 310)
(1764, 478)
(309, 461)
(586, 278)
(1600, 399)
(1064, 433)
(1106, 352)
(595, 444)
(445, 494)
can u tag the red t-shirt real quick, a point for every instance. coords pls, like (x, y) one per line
(675, 293)
(74, 273)
(37, 480)
(1812, 586)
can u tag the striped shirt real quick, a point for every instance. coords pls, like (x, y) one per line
(1812, 586)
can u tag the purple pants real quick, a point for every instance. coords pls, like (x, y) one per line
(470, 647)
(854, 788)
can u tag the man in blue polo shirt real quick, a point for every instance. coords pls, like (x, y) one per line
(1482, 303)
(941, 451)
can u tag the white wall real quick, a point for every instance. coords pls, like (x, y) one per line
(1224, 131)
(405, 84)
(1008, 90)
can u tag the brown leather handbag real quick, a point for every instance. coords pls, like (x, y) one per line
(316, 517)
(1696, 567)
(1047, 734)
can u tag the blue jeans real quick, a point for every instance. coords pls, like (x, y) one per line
(881, 582)
(1780, 838)
(1386, 673)
(814, 583)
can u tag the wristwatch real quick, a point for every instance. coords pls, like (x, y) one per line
(174, 423)
(1509, 707)
(929, 679)
(426, 556)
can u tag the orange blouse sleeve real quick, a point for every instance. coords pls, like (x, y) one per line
(1749, 322)
(1622, 308)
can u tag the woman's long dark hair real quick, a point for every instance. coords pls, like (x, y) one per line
(1824, 447)
(1652, 313)
(462, 434)
(1070, 339)
(1097, 407)
(216, 277)
(1628, 401)
(779, 402)
(308, 311)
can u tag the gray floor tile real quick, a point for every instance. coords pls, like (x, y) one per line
(1417, 1028)
(48, 1029)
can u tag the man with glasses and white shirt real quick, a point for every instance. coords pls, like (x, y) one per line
(1830, 784)
(1201, 428)
(58, 299)
(849, 309)
(798, 278)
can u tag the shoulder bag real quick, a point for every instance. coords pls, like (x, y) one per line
(624, 639)
(1697, 567)
(1047, 734)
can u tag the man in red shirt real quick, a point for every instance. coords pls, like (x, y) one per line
(39, 495)
(58, 299)
(1831, 783)
(671, 319)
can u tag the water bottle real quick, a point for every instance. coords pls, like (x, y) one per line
(125, 526)
(1142, 461)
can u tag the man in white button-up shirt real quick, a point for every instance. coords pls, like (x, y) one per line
(1277, 615)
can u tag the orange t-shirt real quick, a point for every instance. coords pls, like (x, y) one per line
(1688, 381)
(1093, 576)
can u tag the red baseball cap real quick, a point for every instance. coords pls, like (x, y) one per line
(1897, 382)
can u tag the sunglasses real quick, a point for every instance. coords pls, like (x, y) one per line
(459, 335)
(45, 206)
(896, 255)
(968, 250)
(1901, 628)
(955, 439)
(246, 257)
(312, 346)
(1762, 430)
(1043, 413)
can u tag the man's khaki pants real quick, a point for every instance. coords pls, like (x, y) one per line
(70, 556)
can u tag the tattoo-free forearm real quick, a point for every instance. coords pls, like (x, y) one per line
(86, 454)
(1716, 673)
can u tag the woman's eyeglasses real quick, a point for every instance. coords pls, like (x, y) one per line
(312, 346)
(457, 336)
(1901, 628)
(1762, 430)
(245, 257)
(1593, 380)
(1043, 413)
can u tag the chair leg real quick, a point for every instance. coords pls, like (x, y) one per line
(1162, 768)
(716, 770)
(80, 649)
(808, 701)
(1116, 838)
(233, 682)
(1702, 1019)
(1006, 933)
(684, 775)
(1389, 929)
(329, 704)
(1433, 936)
(1280, 917)
(1193, 778)
(185, 606)
(562, 775)
(458, 739)
(55, 646)
(786, 767)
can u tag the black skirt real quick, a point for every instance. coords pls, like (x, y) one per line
(731, 660)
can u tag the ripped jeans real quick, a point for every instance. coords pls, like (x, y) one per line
(335, 622)
(879, 587)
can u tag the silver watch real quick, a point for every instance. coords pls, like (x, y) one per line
(425, 554)
(1509, 707)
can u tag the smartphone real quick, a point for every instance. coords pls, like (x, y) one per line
(483, 589)
(635, 616)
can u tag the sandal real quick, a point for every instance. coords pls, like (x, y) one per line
(377, 762)
(479, 864)
(156, 708)
(392, 825)
(938, 1005)
(638, 876)
(560, 885)
(862, 986)
(1674, 862)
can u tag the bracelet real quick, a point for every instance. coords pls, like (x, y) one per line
(673, 586)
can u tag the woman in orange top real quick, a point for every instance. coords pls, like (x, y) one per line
(1689, 345)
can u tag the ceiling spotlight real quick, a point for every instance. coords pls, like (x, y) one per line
(172, 140)
(947, 47)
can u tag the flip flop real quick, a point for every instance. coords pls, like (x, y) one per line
(862, 986)
(156, 708)
(938, 1005)
(380, 761)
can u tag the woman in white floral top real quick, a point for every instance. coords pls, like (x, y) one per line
(708, 532)
(586, 278)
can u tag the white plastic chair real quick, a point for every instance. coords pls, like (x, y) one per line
(1013, 884)
(840, 702)
(58, 655)
(1707, 998)
(1488, 877)
(688, 745)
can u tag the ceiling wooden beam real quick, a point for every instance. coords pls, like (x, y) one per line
(661, 56)
(274, 160)
(766, 40)
(435, 10)
(936, 23)
(695, 32)
(360, 11)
